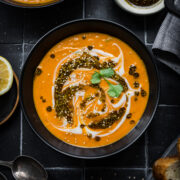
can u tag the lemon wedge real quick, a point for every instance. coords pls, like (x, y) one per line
(6, 76)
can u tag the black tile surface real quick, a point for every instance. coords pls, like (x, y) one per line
(40, 21)
(135, 158)
(13, 52)
(152, 25)
(162, 131)
(109, 10)
(9, 138)
(19, 31)
(114, 174)
(66, 174)
(33, 146)
(11, 24)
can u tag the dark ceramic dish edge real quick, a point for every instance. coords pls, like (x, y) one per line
(170, 5)
(20, 5)
(140, 133)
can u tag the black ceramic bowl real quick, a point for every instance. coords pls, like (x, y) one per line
(45, 44)
(23, 5)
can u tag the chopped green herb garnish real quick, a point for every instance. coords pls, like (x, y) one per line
(96, 78)
(114, 90)
(109, 72)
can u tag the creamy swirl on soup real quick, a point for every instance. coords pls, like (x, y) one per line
(90, 89)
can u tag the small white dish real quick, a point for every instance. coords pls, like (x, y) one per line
(139, 10)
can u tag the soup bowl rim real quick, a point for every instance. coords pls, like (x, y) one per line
(79, 156)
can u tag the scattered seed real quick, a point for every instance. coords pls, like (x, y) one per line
(136, 84)
(129, 116)
(49, 108)
(84, 37)
(97, 57)
(136, 93)
(97, 138)
(38, 71)
(82, 126)
(112, 101)
(143, 93)
(132, 69)
(52, 56)
(136, 75)
(90, 48)
(89, 136)
(132, 122)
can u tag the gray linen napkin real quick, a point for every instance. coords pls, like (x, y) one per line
(166, 46)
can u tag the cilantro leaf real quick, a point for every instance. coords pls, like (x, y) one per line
(115, 90)
(109, 72)
(96, 78)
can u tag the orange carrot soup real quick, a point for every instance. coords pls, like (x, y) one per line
(90, 89)
(35, 2)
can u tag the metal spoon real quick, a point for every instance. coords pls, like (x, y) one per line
(2, 176)
(26, 168)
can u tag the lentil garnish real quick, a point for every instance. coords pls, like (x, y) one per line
(112, 101)
(86, 100)
(136, 84)
(92, 115)
(82, 126)
(89, 136)
(136, 75)
(132, 122)
(49, 108)
(129, 116)
(52, 56)
(62, 99)
(143, 92)
(132, 69)
(38, 71)
(136, 93)
(109, 120)
(90, 48)
(97, 138)
(84, 37)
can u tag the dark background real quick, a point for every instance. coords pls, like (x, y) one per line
(19, 31)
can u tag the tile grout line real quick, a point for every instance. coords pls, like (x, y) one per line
(146, 154)
(148, 44)
(61, 168)
(145, 31)
(21, 117)
(21, 133)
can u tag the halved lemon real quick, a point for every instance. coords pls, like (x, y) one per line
(6, 75)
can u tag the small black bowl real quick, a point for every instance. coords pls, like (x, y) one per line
(30, 6)
(45, 44)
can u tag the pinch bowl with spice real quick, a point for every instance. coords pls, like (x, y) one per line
(89, 92)
(141, 7)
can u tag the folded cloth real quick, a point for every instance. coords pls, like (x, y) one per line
(166, 46)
